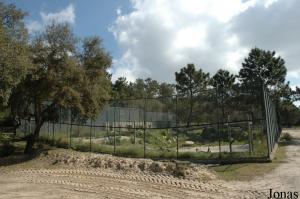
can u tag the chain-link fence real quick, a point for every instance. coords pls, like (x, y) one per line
(209, 125)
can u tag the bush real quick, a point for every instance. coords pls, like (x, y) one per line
(6, 149)
(8, 121)
(61, 143)
(286, 137)
(130, 151)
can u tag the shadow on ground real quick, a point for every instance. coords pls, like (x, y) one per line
(19, 157)
(294, 141)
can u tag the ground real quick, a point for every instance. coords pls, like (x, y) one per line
(58, 174)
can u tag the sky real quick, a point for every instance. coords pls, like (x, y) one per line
(155, 38)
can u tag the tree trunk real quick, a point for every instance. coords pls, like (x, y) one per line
(38, 124)
(31, 139)
(17, 124)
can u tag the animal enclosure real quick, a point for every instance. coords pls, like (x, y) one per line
(208, 125)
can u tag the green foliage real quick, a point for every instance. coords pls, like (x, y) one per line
(130, 151)
(286, 137)
(14, 56)
(151, 87)
(289, 113)
(223, 81)
(262, 68)
(61, 143)
(63, 77)
(190, 82)
(166, 90)
(120, 88)
(6, 149)
(161, 139)
(7, 121)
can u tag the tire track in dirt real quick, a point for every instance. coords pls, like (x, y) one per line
(133, 185)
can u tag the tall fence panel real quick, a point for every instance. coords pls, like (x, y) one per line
(272, 126)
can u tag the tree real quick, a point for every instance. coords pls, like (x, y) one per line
(165, 90)
(14, 53)
(289, 113)
(190, 82)
(97, 88)
(262, 68)
(223, 81)
(120, 88)
(295, 95)
(151, 87)
(138, 88)
(64, 77)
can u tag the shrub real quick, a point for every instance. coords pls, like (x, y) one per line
(6, 149)
(61, 143)
(286, 137)
(130, 151)
(82, 147)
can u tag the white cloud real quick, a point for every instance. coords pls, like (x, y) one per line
(162, 36)
(268, 3)
(34, 26)
(66, 15)
(118, 11)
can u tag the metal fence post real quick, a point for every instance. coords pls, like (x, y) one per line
(218, 117)
(29, 126)
(250, 136)
(176, 125)
(48, 129)
(114, 125)
(59, 119)
(91, 134)
(107, 124)
(53, 132)
(144, 127)
(229, 134)
(70, 136)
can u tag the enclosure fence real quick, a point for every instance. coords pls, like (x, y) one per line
(209, 125)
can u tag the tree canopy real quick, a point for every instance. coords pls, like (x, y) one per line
(14, 53)
(189, 82)
(64, 77)
(262, 68)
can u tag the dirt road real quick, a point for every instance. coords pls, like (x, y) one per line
(56, 181)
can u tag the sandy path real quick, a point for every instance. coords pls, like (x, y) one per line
(65, 183)
(215, 149)
(104, 183)
(287, 175)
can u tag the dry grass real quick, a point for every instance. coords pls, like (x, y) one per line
(248, 171)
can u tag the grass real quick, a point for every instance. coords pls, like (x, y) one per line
(248, 171)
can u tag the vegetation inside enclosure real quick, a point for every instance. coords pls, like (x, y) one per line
(10, 145)
(159, 143)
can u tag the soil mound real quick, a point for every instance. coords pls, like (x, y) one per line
(90, 160)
